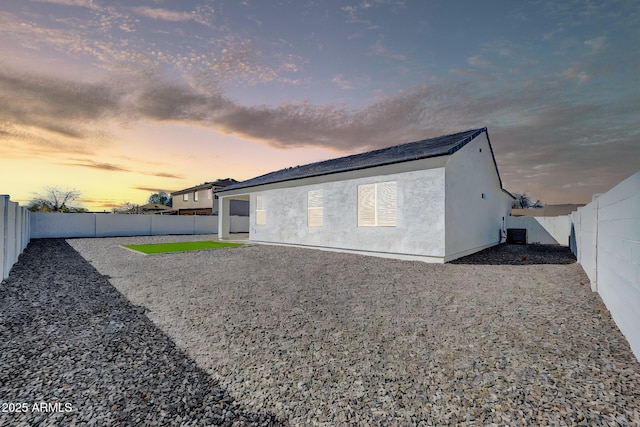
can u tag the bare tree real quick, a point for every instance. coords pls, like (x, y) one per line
(127, 208)
(55, 200)
(523, 201)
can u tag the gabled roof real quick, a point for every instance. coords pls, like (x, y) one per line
(433, 147)
(215, 184)
(224, 182)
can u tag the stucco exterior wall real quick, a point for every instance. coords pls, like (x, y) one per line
(473, 222)
(420, 222)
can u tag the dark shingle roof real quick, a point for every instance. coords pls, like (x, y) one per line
(219, 183)
(433, 147)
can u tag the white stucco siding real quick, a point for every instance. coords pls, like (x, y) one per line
(419, 226)
(473, 222)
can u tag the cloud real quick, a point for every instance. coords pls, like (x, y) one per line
(529, 128)
(79, 111)
(110, 167)
(101, 166)
(153, 189)
(49, 111)
(477, 61)
(597, 43)
(341, 82)
(166, 175)
(381, 50)
(223, 56)
(89, 4)
(571, 74)
(164, 14)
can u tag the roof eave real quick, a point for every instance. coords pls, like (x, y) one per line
(222, 190)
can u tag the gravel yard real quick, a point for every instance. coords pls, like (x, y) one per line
(75, 352)
(512, 336)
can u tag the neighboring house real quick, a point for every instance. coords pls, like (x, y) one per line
(199, 200)
(547, 210)
(433, 200)
(155, 208)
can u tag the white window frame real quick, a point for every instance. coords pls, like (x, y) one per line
(378, 204)
(185, 197)
(315, 208)
(261, 212)
(195, 196)
(210, 193)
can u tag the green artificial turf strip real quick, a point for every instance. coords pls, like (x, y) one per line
(159, 248)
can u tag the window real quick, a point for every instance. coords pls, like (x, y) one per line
(261, 213)
(377, 204)
(314, 208)
(484, 195)
(195, 196)
(210, 193)
(185, 197)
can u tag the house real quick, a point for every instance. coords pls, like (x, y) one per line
(200, 199)
(433, 200)
(155, 209)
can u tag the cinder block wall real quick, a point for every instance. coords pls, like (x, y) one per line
(618, 256)
(607, 244)
(14, 233)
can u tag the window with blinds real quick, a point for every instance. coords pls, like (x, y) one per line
(377, 204)
(261, 213)
(314, 208)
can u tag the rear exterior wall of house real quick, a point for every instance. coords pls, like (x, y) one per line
(419, 215)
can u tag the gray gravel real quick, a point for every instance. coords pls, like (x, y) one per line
(74, 351)
(322, 338)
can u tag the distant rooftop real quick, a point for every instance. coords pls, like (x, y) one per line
(433, 147)
(217, 184)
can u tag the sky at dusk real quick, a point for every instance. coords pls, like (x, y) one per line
(120, 99)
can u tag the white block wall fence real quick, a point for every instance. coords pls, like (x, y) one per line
(18, 226)
(14, 232)
(606, 241)
(50, 225)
